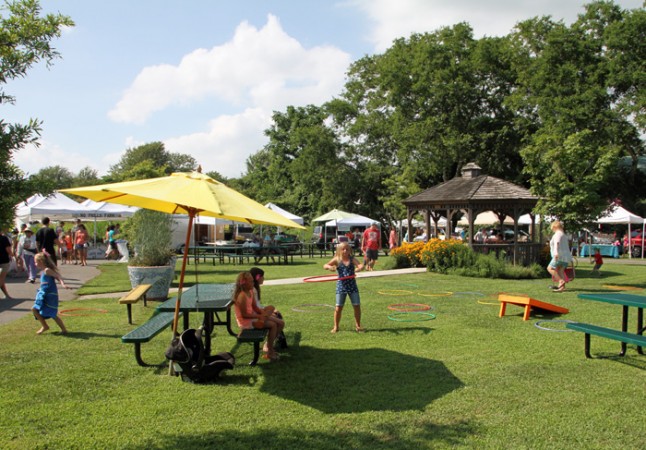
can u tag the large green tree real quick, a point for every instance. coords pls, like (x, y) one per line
(565, 87)
(25, 40)
(148, 161)
(304, 167)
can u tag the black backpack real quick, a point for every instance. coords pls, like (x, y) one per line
(187, 351)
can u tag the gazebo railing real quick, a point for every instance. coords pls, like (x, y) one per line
(526, 253)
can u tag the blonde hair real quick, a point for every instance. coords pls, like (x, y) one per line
(47, 260)
(557, 224)
(339, 251)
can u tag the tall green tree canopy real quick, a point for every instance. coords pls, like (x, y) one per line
(25, 40)
(148, 161)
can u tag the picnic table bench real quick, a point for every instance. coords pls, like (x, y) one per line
(134, 296)
(145, 332)
(253, 336)
(608, 333)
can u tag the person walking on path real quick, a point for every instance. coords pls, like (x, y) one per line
(346, 265)
(28, 246)
(370, 245)
(46, 304)
(561, 255)
(46, 239)
(6, 255)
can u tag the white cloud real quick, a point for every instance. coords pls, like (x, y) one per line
(32, 159)
(228, 142)
(262, 68)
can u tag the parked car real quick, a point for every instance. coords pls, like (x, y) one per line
(636, 245)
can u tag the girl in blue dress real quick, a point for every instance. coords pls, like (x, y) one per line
(46, 304)
(346, 265)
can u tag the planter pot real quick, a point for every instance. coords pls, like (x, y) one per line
(160, 277)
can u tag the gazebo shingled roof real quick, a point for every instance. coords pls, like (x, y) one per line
(473, 189)
(472, 193)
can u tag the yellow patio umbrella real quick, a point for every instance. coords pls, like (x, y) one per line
(185, 193)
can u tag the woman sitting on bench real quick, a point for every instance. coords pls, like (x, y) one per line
(248, 315)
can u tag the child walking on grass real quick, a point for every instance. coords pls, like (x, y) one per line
(249, 316)
(598, 262)
(345, 263)
(46, 304)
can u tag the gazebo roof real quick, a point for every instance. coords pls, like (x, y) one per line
(472, 189)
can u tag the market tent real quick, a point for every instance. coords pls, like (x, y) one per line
(616, 214)
(56, 206)
(106, 211)
(350, 222)
(282, 212)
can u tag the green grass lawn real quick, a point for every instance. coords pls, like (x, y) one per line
(466, 379)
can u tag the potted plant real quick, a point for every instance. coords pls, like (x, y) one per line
(149, 234)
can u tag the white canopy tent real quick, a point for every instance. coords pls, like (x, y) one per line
(616, 214)
(56, 206)
(350, 222)
(282, 212)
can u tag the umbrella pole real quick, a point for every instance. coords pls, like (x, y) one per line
(191, 215)
(181, 282)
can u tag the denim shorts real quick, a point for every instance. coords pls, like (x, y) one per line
(556, 264)
(354, 298)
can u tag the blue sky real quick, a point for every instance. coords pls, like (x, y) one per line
(205, 76)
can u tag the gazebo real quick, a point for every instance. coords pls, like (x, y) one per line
(473, 193)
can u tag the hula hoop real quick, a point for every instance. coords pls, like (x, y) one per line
(407, 307)
(622, 288)
(310, 305)
(480, 302)
(395, 292)
(65, 312)
(466, 294)
(440, 294)
(424, 316)
(536, 324)
(322, 278)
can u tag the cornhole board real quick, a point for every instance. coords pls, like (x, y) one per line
(528, 303)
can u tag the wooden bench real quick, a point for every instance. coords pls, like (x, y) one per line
(146, 332)
(256, 337)
(133, 297)
(608, 333)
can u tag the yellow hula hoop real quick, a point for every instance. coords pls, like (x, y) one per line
(440, 294)
(622, 288)
(395, 292)
(487, 303)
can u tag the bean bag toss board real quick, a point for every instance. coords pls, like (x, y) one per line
(528, 303)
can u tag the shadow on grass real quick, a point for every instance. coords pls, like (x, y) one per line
(88, 335)
(351, 381)
(386, 435)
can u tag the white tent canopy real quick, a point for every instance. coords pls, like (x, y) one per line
(620, 215)
(103, 210)
(350, 222)
(282, 212)
(616, 214)
(56, 206)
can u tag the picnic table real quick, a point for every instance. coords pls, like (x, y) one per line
(605, 250)
(626, 301)
(209, 299)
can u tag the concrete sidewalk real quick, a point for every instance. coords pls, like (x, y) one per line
(23, 294)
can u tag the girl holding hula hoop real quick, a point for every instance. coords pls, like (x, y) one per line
(344, 263)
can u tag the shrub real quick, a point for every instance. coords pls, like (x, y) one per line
(150, 233)
(408, 255)
(441, 255)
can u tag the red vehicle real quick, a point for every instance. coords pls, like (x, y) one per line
(636, 245)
